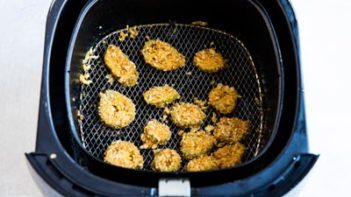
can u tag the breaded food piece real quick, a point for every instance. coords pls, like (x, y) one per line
(196, 143)
(223, 98)
(208, 60)
(155, 133)
(160, 96)
(187, 115)
(162, 55)
(202, 163)
(231, 129)
(121, 66)
(166, 160)
(115, 109)
(229, 155)
(124, 154)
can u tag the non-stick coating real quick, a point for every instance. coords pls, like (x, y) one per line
(189, 81)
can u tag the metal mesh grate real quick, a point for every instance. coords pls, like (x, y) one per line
(188, 40)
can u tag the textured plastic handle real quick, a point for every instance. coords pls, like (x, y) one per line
(293, 174)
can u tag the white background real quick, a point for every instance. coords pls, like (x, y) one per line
(325, 32)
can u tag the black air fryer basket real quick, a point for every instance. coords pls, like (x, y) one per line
(259, 40)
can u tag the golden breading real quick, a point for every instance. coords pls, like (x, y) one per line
(202, 163)
(162, 55)
(229, 155)
(115, 109)
(155, 133)
(124, 154)
(166, 160)
(223, 98)
(160, 96)
(231, 129)
(208, 60)
(196, 143)
(120, 66)
(187, 115)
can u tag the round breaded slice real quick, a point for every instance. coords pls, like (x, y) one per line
(160, 96)
(162, 56)
(196, 143)
(231, 129)
(124, 154)
(202, 163)
(166, 160)
(229, 155)
(223, 98)
(208, 60)
(115, 109)
(155, 133)
(121, 66)
(186, 115)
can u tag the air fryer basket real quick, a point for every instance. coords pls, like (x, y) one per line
(248, 45)
(189, 81)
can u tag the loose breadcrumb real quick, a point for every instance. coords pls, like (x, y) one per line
(80, 116)
(110, 79)
(199, 23)
(122, 36)
(214, 118)
(201, 103)
(209, 128)
(84, 79)
(133, 32)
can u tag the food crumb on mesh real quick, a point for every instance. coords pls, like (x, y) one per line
(212, 82)
(188, 73)
(133, 32)
(86, 67)
(89, 56)
(199, 23)
(110, 79)
(180, 132)
(84, 79)
(209, 128)
(201, 103)
(122, 36)
(80, 116)
(214, 118)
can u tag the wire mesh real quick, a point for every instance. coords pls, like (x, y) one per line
(189, 81)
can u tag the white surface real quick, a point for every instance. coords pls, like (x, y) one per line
(325, 31)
